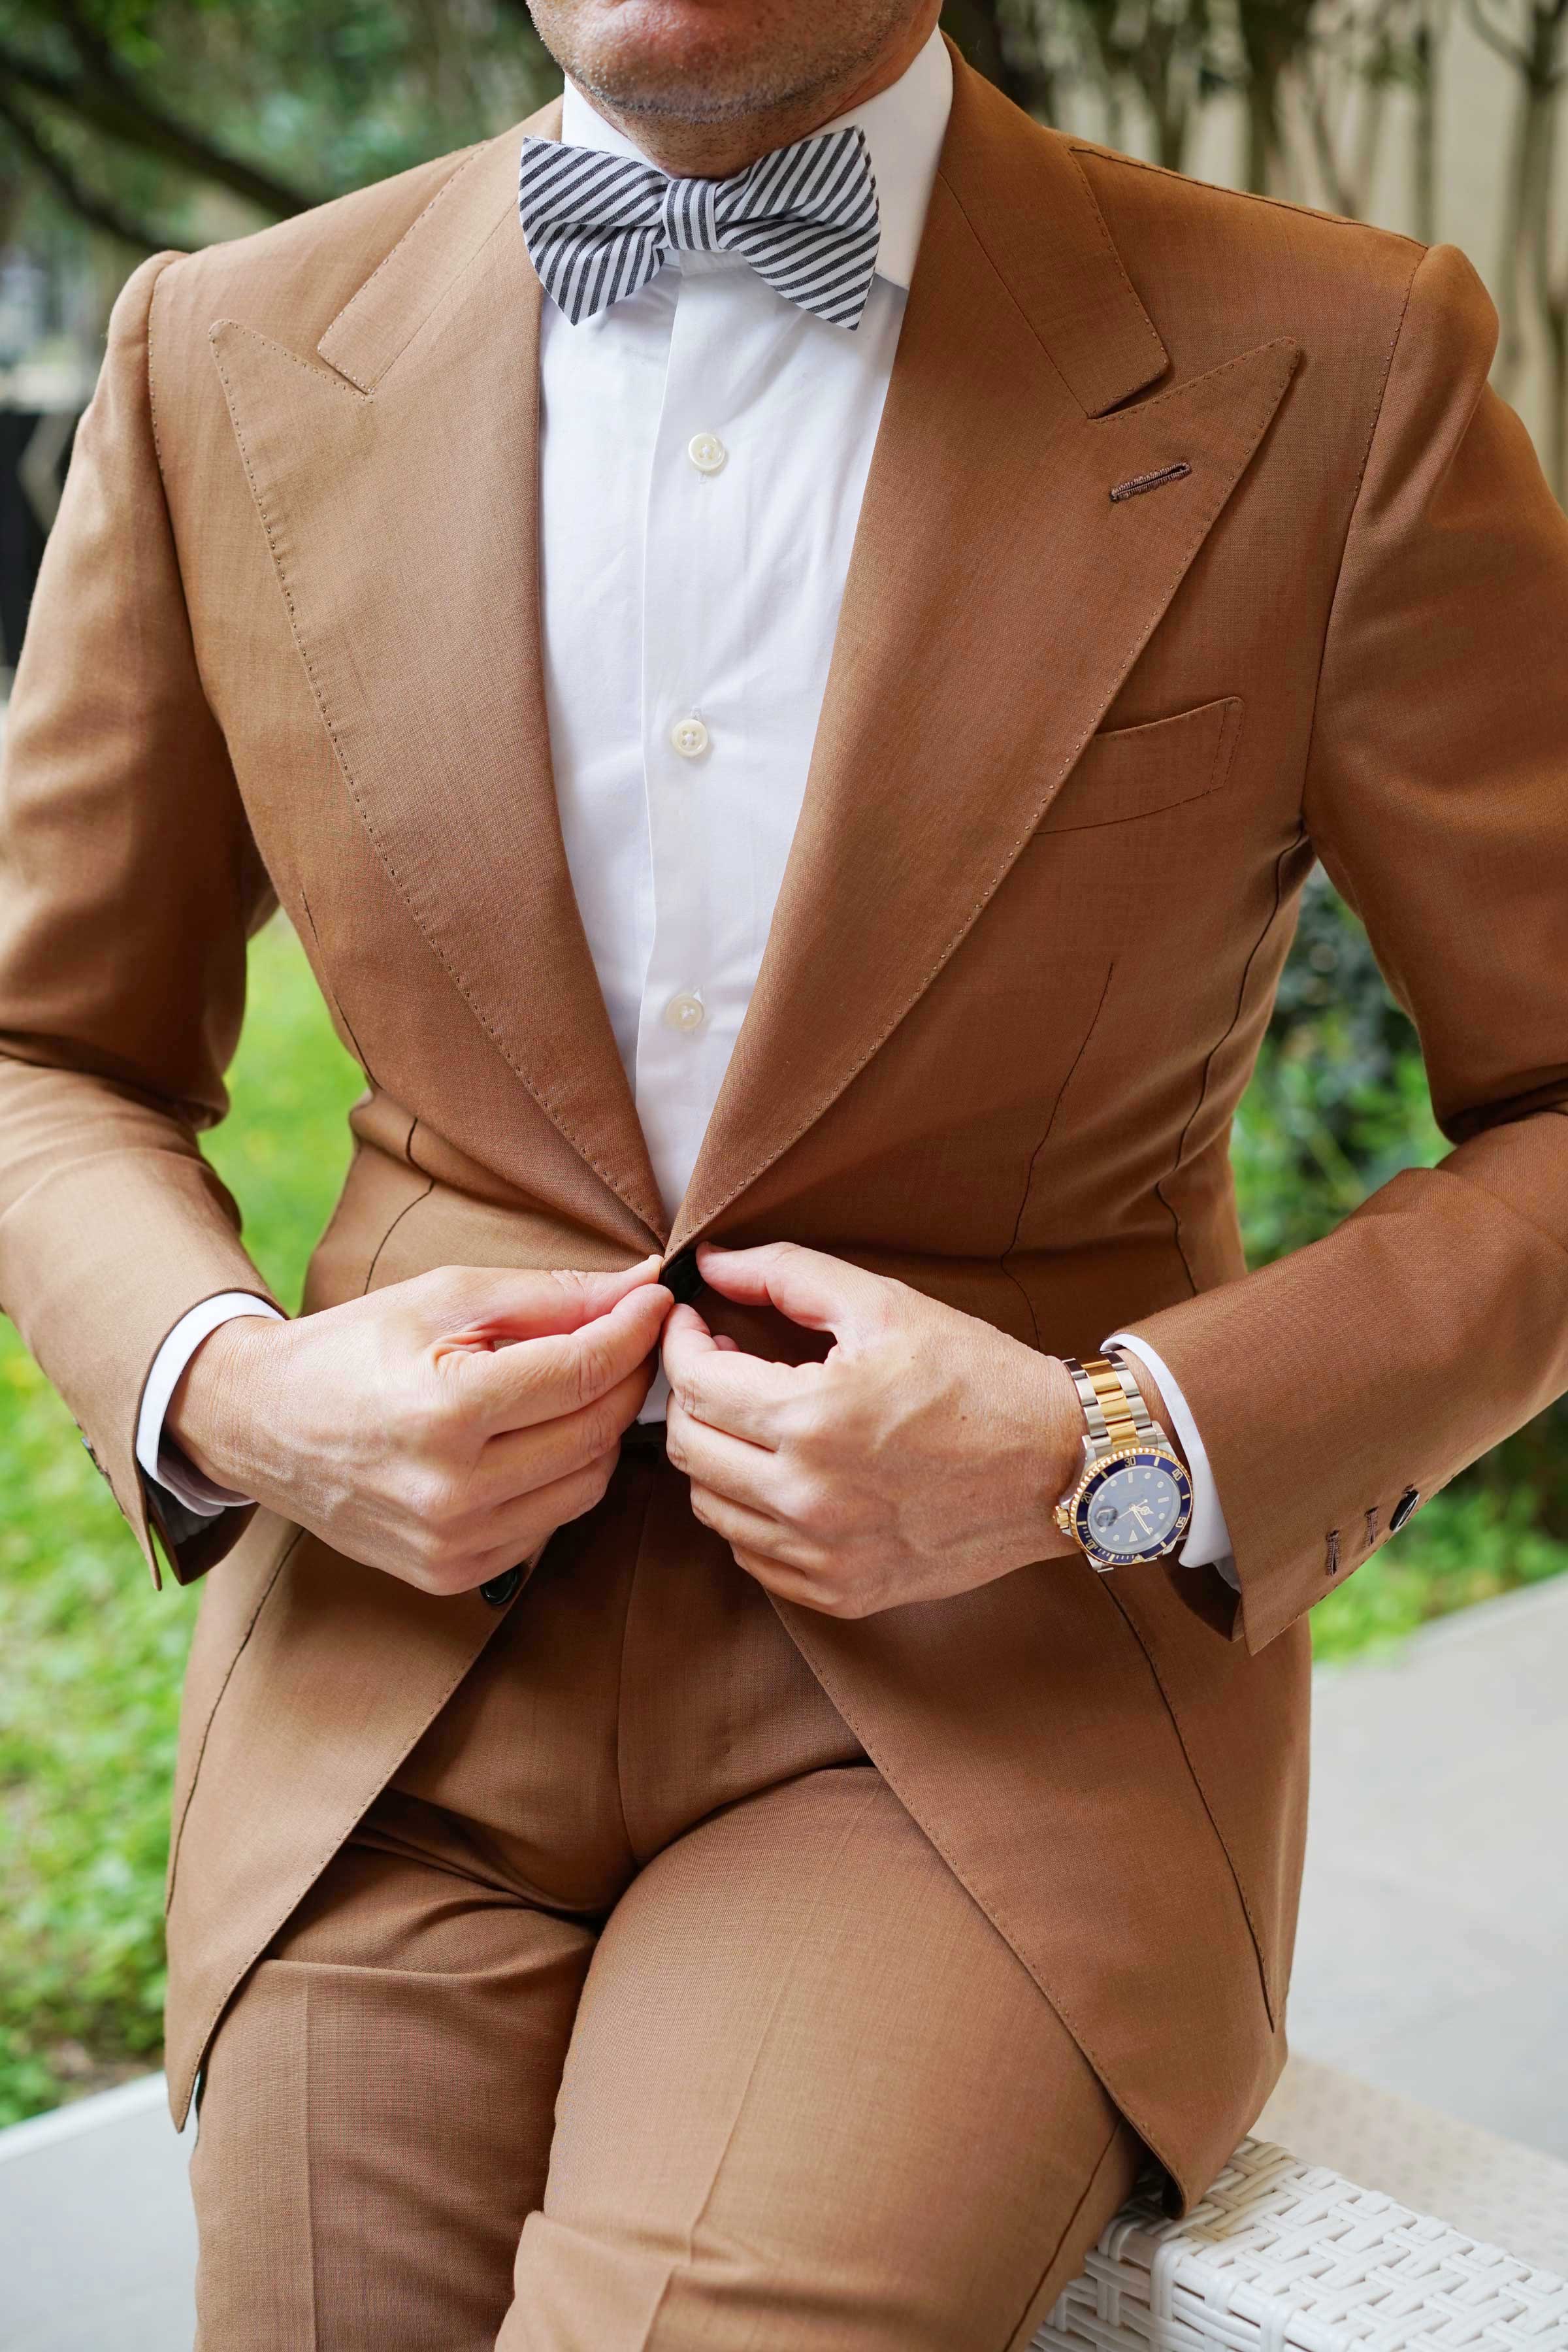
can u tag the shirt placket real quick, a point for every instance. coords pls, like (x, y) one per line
(693, 723)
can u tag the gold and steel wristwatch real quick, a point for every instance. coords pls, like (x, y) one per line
(1132, 1499)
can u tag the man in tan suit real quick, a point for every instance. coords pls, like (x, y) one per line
(731, 1871)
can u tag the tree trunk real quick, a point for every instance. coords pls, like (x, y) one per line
(1173, 120)
(1340, 195)
(1550, 293)
(1262, 135)
(1159, 61)
(97, 212)
(1515, 233)
(979, 30)
(1423, 143)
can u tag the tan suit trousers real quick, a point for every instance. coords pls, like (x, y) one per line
(638, 2013)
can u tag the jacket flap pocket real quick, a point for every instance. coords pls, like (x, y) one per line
(1131, 771)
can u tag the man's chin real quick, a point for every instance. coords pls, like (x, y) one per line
(686, 61)
(681, 100)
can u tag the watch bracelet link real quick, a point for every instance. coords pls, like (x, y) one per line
(1112, 1404)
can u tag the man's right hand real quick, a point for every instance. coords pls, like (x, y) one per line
(441, 1429)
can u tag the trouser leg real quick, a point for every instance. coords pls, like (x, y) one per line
(377, 2107)
(376, 2114)
(813, 2099)
(813, 2103)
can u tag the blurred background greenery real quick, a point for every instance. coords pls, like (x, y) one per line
(126, 124)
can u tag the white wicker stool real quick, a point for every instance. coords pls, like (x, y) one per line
(1283, 2254)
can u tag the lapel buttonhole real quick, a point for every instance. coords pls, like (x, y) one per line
(1135, 486)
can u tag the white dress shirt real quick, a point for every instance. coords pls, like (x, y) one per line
(703, 451)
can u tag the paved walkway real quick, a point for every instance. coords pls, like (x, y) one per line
(97, 2245)
(1431, 1964)
(1433, 1957)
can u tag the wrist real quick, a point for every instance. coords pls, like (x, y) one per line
(1061, 1449)
(211, 1413)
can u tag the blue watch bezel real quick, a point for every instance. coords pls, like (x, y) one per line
(1152, 1458)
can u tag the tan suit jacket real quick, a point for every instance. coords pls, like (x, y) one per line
(1077, 752)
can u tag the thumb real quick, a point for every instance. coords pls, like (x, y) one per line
(685, 1335)
(553, 1372)
(819, 1292)
(478, 1306)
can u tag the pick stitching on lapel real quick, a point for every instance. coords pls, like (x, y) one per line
(401, 510)
(998, 598)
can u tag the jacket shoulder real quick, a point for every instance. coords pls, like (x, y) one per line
(289, 281)
(1214, 265)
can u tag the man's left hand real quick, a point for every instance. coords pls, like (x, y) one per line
(921, 1458)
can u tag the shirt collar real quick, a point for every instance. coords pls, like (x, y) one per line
(904, 126)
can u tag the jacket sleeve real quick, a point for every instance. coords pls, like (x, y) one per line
(1380, 1360)
(128, 886)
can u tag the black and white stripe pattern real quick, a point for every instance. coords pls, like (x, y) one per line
(598, 226)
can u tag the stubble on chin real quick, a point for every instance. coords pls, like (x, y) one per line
(627, 70)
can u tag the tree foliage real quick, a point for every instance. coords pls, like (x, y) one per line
(160, 120)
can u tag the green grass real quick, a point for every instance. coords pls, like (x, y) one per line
(91, 1658)
(1466, 1545)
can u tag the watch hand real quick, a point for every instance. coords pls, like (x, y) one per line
(1139, 1511)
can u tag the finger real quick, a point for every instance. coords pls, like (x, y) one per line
(480, 1307)
(753, 1531)
(803, 1586)
(519, 1462)
(746, 1395)
(517, 1535)
(823, 1293)
(734, 1467)
(685, 1322)
(540, 1380)
(519, 1526)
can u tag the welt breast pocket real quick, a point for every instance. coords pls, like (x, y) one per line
(1132, 771)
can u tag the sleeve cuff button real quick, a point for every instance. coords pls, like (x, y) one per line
(1404, 1510)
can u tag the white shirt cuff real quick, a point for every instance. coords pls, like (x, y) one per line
(1208, 1537)
(164, 1464)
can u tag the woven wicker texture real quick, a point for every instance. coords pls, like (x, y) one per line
(1284, 2254)
(1488, 2188)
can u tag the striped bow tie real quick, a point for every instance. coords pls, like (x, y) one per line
(598, 226)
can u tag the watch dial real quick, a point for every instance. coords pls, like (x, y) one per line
(1136, 1507)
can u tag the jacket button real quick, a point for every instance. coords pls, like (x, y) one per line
(681, 1277)
(1404, 1510)
(501, 1589)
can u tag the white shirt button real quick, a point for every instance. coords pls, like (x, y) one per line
(690, 738)
(706, 452)
(686, 1012)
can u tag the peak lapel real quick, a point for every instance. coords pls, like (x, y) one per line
(399, 495)
(996, 599)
